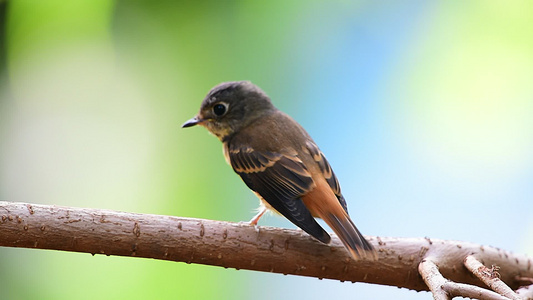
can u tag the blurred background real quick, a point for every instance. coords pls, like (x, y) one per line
(423, 108)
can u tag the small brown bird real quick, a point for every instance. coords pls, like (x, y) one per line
(279, 161)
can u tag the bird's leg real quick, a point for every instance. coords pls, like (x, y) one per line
(256, 218)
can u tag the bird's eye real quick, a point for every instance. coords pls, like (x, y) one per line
(219, 109)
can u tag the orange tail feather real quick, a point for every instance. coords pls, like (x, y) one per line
(350, 236)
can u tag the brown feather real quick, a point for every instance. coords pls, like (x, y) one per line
(279, 161)
(323, 203)
(279, 180)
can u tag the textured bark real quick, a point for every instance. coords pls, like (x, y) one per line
(490, 277)
(241, 246)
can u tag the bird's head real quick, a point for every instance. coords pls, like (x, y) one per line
(230, 106)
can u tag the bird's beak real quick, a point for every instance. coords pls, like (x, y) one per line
(191, 122)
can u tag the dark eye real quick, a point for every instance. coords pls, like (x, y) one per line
(219, 109)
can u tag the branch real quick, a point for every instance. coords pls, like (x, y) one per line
(241, 246)
(434, 279)
(444, 289)
(526, 292)
(490, 277)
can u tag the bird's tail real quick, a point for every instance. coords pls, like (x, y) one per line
(350, 236)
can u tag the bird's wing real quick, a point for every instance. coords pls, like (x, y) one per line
(280, 179)
(330, 177)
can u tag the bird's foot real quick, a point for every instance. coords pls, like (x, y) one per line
(256, 218)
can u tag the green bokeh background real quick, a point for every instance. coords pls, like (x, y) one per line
(424, 109)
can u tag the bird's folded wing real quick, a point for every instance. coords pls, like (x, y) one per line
(280, 179)
(330, 177)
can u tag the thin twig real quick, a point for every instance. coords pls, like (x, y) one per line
(470, 291)
(444, 289)
(526, 292)
(434, 279)
(490, 277)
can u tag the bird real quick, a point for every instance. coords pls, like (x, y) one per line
(279, 161)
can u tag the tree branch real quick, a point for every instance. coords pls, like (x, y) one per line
(526, 292)
(490, 277)
(241, 246)
(434, 279)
